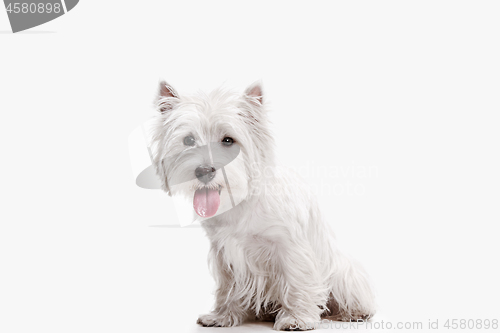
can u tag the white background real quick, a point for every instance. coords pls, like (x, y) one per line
(408, 88)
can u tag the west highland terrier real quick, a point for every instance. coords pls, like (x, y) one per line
(273, 256)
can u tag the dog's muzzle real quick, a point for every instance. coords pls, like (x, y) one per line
(205, 173)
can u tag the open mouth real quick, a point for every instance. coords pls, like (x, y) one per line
(206, 201)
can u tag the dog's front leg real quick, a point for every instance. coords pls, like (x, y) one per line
(228, 310)
(301, 294)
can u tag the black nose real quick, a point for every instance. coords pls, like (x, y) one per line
(205, 173)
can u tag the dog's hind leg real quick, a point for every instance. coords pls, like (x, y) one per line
(351, 295)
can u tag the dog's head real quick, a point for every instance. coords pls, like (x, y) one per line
(211, 149)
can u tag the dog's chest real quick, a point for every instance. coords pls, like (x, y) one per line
(248, 255)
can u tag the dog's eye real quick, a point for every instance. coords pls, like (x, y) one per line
(227, 141)
(189, 140)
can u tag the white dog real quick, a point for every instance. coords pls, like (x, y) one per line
(272, 254)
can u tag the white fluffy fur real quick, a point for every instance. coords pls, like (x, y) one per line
(273, 255)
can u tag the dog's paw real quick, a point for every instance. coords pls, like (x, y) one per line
(217, 320)
(291, 323)
(355, 317)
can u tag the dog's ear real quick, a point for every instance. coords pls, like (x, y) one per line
(254, 93)
(167, 97)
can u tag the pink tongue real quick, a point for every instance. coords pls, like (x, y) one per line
(206, 202)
